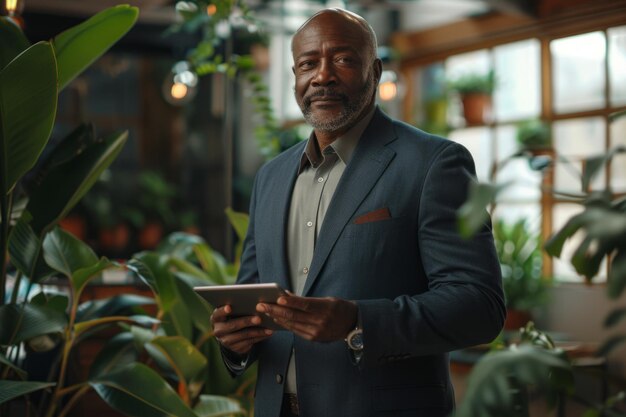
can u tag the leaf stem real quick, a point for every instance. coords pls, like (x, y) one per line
(5, 216)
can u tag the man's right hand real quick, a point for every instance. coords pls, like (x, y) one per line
(237, 334)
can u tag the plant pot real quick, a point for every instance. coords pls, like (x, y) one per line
(150, 236)
(75, 225)
(476, 108)
(114, 238)
(516, 319)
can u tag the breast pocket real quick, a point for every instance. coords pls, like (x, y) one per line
(378, 228)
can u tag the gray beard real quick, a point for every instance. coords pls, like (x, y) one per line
(352, 109)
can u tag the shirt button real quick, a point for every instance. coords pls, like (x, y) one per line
(279, 379)
(305, 270)
(309, 224)
(320, 179)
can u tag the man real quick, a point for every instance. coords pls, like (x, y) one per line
(359, 224)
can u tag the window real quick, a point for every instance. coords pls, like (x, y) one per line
(571, 80)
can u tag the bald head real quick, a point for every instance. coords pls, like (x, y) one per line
(344, 17)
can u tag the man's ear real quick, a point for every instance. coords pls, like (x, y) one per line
(378, 69)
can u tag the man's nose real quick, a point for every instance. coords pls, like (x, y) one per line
(325, 74)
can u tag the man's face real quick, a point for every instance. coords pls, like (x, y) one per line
(336, 75)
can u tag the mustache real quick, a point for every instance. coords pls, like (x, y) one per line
(323, 92)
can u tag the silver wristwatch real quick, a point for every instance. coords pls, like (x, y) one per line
(355, 339)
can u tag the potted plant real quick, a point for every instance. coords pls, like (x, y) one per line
(534, 136)
(475, 91)
(525, 287)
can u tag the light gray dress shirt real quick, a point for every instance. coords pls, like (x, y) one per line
(319, 174)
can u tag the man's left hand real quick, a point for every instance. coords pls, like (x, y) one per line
(317, 319)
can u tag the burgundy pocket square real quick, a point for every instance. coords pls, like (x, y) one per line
(373, 216)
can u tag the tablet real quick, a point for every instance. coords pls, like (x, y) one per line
(243, 299)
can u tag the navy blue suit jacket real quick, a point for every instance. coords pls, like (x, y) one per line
(421, 289)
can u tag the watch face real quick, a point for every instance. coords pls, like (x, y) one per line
(355, 341)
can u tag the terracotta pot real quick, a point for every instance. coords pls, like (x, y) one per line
(114, 238)
(476, 108)
(150, 236)
(75, 225)
(516, 319)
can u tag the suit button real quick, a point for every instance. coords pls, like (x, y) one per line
(279, 379)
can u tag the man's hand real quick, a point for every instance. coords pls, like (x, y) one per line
(318, 319)
(237, 334)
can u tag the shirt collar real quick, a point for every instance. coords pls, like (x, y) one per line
(343, 146)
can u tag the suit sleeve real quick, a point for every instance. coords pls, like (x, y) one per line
(464, 303)
(248, 274)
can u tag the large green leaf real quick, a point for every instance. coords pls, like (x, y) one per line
(49, 203)
(18, 371)
(117, 352)
(472, 215)
(14, 389)
(123, 304)
(494, 384)
(239, 221)
(84, 326)
(28, 102)
(138, 391)
(24, 246)
(199, 310)
(12, 41)
(217, 406)
(66, 253)
(153, 269)
(177, 354)
(79, 46)
(23, 322)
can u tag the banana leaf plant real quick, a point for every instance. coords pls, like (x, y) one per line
(183, 347)
(30, 79)
(601, 227)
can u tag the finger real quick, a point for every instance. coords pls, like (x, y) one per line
(238, 341)
(221, 313)
(305, 330)
(235, 324)
(283, 313)
(244, 346)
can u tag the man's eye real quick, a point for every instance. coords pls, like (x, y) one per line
(345, 59)
(306, 65)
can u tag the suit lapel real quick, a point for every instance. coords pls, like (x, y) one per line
(368, 163)
(280, 204)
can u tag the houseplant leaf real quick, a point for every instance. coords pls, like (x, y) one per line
(12, 41)
(84, 326)
(79, 46)
(138, 391)
(18, 371)
(28, 101)
(25, 321)
(473, 213)
(177, 354)
(214, 405)
(117, 352)
(67, 254)
(49, 202)
(14, 389)
(117, 305)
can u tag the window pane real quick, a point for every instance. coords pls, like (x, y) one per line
(478, 141)
(578, 72)
(576, 139)
(518, 85)
(562, 268)
(430, 99)
(524, 182)
(511, 213)
(618, 166)
(617, 64)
